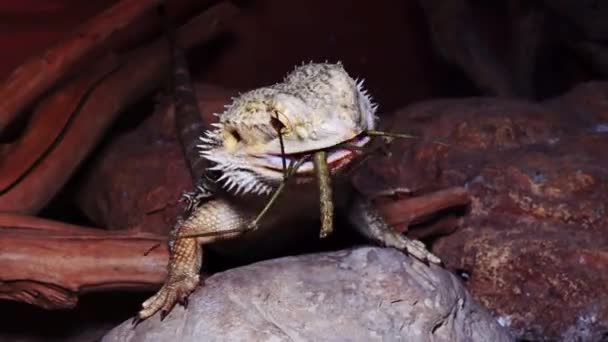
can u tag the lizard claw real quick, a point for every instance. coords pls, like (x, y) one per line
(135, 321)
(176, 289)
(194, 198)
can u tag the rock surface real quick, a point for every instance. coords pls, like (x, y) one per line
(534, 244)
(363, 294)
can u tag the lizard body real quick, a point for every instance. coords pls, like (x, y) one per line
(316, 107)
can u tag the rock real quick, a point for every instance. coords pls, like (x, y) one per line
(534, 244)
(363, 294)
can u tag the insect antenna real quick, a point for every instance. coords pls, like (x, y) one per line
(399, 135)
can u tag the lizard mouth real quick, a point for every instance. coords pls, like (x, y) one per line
(337, 157)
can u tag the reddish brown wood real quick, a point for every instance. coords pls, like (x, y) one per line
(144, 70)
(48, 121)
(414, 209)
(49, 264)
(39, 73)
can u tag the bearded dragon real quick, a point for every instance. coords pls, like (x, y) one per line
(317, 107)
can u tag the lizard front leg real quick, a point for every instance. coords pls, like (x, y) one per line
(214, 220)
(364, 216)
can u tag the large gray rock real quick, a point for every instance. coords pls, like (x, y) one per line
(363, 294)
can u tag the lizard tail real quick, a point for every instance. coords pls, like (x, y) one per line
(189, 124)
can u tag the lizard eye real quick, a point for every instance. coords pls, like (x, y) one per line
(235, 135)
(231, 139)
(278, 125)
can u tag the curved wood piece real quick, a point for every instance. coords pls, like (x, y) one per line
(39, 73)
(144, 70)
(49, 120)
(404, 212)
(49, 264)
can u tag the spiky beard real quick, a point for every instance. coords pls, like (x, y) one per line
(237, 174)
(366, 106)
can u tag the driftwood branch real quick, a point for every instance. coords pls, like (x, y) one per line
(403, 213)
(38, 74)
(49, 264)
(144, 71)
(48, 121)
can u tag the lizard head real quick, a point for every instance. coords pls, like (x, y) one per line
(316, 107)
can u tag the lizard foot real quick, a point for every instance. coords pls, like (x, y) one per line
(176, 290)
(368, 221)
(415, 248)
(194, 198)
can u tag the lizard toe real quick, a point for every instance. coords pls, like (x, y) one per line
(171, 298)
(152, 304)
(163, 314)
(175, 290)
(415, 248)
(184, 301)
(419, 251)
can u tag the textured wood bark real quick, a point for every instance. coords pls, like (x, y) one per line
(38, 74)
(405, 212)
(142, 72)
(50, 119)
(49, 264)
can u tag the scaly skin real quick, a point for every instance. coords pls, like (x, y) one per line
(187, 253)
(316, 107)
